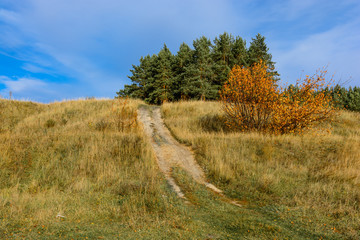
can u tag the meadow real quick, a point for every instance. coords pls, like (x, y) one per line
(71, 170)
(67, 171)
(308, 183)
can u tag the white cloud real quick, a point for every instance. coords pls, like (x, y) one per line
(21, 84)
(34, 89)
(34, 68)
(338, 48)
(96, 42)
(25, 88)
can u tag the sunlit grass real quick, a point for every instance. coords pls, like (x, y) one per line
(315, 175)
(67, 171)
(76, 177)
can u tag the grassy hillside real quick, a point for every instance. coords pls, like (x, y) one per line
(12, 112)
(308, 185)
(72, 159)
(68, 159)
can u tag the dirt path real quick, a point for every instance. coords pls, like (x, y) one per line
(171, 153)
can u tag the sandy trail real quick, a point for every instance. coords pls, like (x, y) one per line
(171, 153)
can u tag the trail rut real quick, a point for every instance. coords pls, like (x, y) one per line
(171, 153)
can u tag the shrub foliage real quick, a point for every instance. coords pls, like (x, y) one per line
(253, 101)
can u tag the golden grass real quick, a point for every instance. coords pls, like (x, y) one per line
(71, 159)
(81, 167)
(316, 176)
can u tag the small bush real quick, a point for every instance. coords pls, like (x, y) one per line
(50, 123)
(252, 100)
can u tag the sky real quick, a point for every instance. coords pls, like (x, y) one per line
(52, 50)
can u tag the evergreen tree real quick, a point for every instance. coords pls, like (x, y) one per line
(162, 84)
(129, 91)
(150, 71)
(140, 76)
(353, 99)
(258, 50)
(181, 62)
(222, 57)
(346, 98)
(239, 53)
(199, 72)
(339, 96)
(356, 99)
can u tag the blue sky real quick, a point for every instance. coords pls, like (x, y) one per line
(63, 49)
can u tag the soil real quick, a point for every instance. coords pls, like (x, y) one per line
(170, 153)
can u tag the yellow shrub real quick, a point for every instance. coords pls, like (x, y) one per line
(253, 101)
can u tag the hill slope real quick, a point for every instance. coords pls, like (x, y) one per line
(308, 184)
(68, 171)
(68, 159)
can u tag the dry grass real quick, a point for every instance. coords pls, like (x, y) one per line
(311, 181)
(70, 159)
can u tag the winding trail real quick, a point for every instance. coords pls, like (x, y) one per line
(171, 153)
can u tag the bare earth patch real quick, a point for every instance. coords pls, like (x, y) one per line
(171, 153)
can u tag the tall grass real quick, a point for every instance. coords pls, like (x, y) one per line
(62, 173)
(68, 171)
(310, 181)
(12, 112)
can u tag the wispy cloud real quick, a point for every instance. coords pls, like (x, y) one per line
(97, 42)
(21, 84)
(337, 48)
(90, 45)
(35, 89)
(304, 36)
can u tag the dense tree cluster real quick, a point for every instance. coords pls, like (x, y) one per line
(197, 73)
(342, 98)
(346, 98)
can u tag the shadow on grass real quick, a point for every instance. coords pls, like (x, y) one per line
(214, 123)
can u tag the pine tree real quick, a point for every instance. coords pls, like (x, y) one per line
(222, 58)
(149, 83)
(199, 72)
(258, 50)
(194, 74)
(239, 53)
(353, 99)
(139, 78)
(162, 78)
(181, 62)
(339, 95)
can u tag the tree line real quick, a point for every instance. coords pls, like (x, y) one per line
(346, 98)
(194, 73)
(342, 98)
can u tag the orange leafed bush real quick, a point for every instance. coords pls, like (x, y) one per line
(253, 101)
